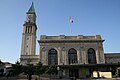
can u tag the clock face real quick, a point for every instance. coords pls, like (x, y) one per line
(29, 17)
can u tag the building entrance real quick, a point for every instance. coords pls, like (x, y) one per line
(73, 73)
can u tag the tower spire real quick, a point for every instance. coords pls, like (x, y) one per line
(31, 9)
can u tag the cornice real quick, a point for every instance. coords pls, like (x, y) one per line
(28, 33)
(30, 24)
(68, 41)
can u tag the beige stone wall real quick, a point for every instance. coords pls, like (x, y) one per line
(28, 42)
(81, 45)
(31, 59)
(112, 57)
(28, 47)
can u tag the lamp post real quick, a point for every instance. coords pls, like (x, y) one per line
(58, 68)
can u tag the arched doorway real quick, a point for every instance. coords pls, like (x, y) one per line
(52, 57)
(72, 56)
(91, 56)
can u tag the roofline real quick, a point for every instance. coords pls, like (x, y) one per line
(68, 41)
(112, 53)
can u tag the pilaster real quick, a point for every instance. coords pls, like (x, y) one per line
(97, 57)
(59, 56)
(63, 56)
(85, 57)
(66, 58)
(78, 57)
(102, 58)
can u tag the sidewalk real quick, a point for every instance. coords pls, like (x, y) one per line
(9, 78)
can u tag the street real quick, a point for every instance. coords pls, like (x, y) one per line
(9, 78)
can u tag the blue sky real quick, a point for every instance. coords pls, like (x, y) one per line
(91, 17)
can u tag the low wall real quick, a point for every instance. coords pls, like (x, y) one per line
(43, 77)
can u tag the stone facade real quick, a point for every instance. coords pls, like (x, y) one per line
(57, 50)
(62, 44)
(112, 57)
(74, 56)
(28, 48)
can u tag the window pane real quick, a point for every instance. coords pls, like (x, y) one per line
(72, 56)
(91, 56)
(52, 56)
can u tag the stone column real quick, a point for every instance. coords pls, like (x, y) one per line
(102, 57)
(59, 57)
(66, 58)
(81, 56)
(85, 57)
(42, 57)
(78, 56)
(97, 56)
(45, 58)
(24, 30)
(63, 56)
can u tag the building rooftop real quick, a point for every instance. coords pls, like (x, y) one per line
(79, 38)
(112, 54)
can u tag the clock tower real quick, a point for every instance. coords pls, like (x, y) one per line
(28, 48)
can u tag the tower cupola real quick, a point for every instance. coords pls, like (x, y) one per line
(31, 15)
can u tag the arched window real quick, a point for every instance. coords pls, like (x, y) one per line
(91, 56)
(52, 57)
(72, 56)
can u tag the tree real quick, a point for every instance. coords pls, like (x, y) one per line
(17, 63)
(39, 69)
(16, 69)
(51, 69)
(29, 71)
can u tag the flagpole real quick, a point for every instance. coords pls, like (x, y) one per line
(71, 21)
(70, 28)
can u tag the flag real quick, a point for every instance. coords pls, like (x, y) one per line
(71, 20)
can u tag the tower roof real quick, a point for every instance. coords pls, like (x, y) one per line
(31, 9)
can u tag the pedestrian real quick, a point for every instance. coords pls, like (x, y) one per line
(7, 75)
(4, 73)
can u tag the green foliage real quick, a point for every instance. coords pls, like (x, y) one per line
(18, 63)
(16, 69)
(30, 69)
(39, 69)
(51, 69)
